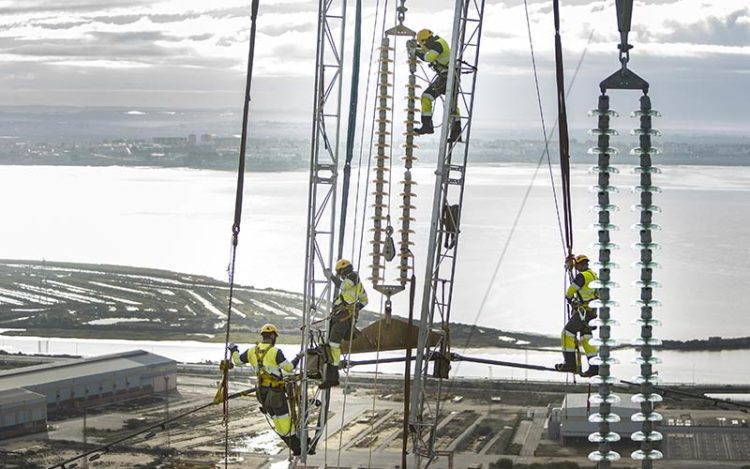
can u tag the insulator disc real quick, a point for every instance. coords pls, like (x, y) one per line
(653, 379)
(604, 208)
(639, 398)
(597, 112)
(597, 456)
(647, 322)
(639, 113)
(599, 169)
(603, 132)
(640, 455)
(600, 284)
(598, 322)
(609, 399)
(652, 132)
(597, 380)
(645, 208)
(610, 437)
(604, 361)
(604, 227)
(637, 151)
(603, 342)
(640, 341)
(607, 188)
(649, 170)
(651, 284)
(652, 417)
(609, 418)
(603, 151)
(603, 304)
(649, 303)
(651, 436)
(646, 226)
(647, 189)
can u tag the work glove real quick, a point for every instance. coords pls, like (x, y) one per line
(297, 358)
(327, 272)
(225, 365)
(570, 262)
(411, 43)
(233, 348)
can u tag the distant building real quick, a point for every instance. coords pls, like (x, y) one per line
(571, 420)
(170, 141)
(22, 412)
(89, 381)
(192, 139)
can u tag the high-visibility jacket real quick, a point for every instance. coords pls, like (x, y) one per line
(268, 363)
(351, 292)
(581, 285)
(437, 53)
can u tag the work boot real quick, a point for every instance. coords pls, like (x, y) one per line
(427, 127)
(294, 445)
(592, 371)
(455, 135)
(570, 363)
(332, 377)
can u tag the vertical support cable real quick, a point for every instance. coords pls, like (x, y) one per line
(380, 169)
(409, 158)
(604, 398)
(646, 399)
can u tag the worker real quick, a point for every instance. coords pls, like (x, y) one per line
(579, 295)
(270, 365)
(435, 51)
(351, 298)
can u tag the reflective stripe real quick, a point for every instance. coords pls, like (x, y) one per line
(587, 293)
(351, 293)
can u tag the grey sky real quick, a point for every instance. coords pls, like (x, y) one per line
(191, 53)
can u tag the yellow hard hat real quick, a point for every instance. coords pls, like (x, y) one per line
(342, 264)
(423, 35)
(268, 328)
(580, 259)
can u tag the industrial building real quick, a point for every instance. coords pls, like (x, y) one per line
(22, 412)
(27, 393)
(571, 420)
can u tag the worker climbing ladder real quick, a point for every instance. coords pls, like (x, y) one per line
(444, 232)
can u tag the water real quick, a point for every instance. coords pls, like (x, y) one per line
(180, 220)
(727, 367)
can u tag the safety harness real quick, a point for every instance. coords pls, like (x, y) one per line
(265, 377)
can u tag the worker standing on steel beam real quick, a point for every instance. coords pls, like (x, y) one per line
(270, 365)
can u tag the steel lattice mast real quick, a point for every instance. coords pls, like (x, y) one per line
(321, 215)
(441, 255)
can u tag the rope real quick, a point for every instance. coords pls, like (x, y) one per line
(236, 224)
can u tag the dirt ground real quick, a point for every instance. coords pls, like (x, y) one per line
(472, 430)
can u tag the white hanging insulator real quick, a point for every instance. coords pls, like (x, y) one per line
(641, 455)
(603, 151)
(597, 456)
